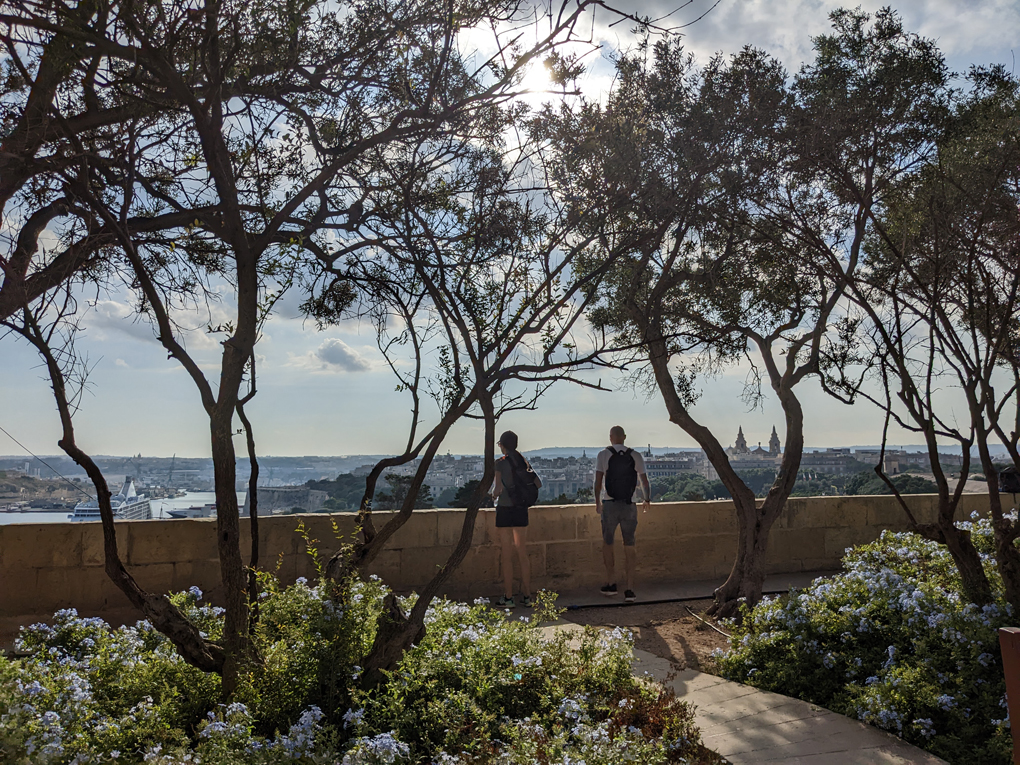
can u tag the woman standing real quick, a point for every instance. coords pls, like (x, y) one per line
(512, 517)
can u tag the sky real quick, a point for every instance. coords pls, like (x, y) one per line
(329, 393)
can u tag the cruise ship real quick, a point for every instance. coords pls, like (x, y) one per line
(127, 505)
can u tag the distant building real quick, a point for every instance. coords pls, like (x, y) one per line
(740, 447)
(671, 465)
(563, 475)
(831, 461)
(743, 458)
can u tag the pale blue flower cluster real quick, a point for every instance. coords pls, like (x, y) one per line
(382, 749)
(299, 741)
(890, 639)
(353, 717)
(228, 721)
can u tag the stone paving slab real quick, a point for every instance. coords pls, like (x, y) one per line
(790, 714)
(753, 711)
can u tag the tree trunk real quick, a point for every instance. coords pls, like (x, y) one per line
(368, 548)
(966, 558)
(161, 613)
(746, 581)
(968, 564)
(253, 507)
(1005, 531)
(228, 543)
(747, 576)
(397, 631)
(1007, 557)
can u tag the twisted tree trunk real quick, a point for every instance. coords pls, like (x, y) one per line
(754, 522)
(398, 631)
(161, 613)
(228, 543)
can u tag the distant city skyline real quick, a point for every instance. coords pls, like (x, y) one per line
(330, 393)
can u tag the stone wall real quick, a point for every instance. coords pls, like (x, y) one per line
(44, 567)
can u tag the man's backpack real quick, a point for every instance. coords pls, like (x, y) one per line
(621, 475)
(523, 491)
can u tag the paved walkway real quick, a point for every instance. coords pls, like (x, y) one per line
(747, 725)
(666, 592)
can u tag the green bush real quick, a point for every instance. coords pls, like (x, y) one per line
(891, 642)
(480, 687)
(866, 482)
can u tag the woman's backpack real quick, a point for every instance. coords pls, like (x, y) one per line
(523, 491)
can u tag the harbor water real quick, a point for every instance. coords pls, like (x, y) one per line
(159, 508)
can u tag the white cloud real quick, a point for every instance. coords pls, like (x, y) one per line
(109, 318)
(332, 355)
(113, 316)
(336, 352)
(974, 32)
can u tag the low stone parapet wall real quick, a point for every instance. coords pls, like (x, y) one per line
(44, 567)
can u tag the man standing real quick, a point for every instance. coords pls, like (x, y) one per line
(617, 470)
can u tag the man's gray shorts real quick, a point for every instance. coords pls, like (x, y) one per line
(622, 514)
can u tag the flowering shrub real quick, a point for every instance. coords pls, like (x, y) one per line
(479, 688)
(892, 642)
(478, 679)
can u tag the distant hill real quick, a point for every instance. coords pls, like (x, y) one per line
(996, 449)
(591, 451)
(348, 462)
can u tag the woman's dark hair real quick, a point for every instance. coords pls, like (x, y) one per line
(509, 442)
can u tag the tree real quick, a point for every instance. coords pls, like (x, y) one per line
(760, 195)
(464, 493)
(345, 491)
(474, 273)
(60, 106)
(250, 130)
(49, 326)
(939, 305)
(869, 483)
(688, 488)
(398, 490)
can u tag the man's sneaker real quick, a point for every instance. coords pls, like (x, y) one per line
(525, 601)
(629, 596)
(505, 602)
(609, 590)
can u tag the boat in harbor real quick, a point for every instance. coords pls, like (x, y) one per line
(128, 505)
(195, 511)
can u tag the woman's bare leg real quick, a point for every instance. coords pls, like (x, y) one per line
(521, 543)
(506, 539)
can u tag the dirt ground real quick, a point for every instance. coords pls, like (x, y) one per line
(667, 630)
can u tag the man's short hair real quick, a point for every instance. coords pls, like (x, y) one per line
(617, 432)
